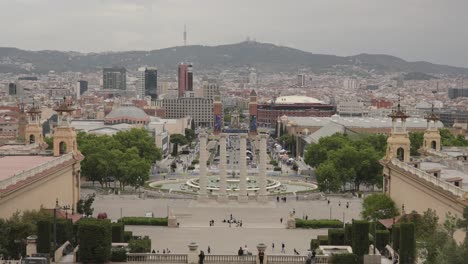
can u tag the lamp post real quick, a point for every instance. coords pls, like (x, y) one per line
(57, 207)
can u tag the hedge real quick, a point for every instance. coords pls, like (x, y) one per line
(143, 221)
(195, 162)
(347, 258)
(323, 240)
(382, 239)
(277, 168)
(43, 236)
(360, 241)
(191, 167)
(128, 235)
(117, 233)
(118, 255)
(64, 231)
(407, 243)
(336, 237)
(318, 223)
(396, 237)
(94, 236)
(348, 234)
(140, 245)
(314, 244)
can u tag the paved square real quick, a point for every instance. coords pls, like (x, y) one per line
(261, 223)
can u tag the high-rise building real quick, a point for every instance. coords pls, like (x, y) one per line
(454, 93)
(210, 89)
(12, 89)
(81, 88)
(301, 80)
(114, 78)
(147, 84)
(185, 77)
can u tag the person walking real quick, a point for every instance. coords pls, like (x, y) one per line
(272, 246)
(208, 250)
(240, 252)
(347, 205)
(306, 217)
(201, 257)
(261, 255)
(282, 248)
(281, 220)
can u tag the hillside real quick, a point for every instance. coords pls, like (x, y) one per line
(265, 57)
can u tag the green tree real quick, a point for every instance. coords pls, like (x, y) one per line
(448, 139)
(189, 134)
(328, 178)
(140, 139)
(178, 139)
(416, 139)
(378, 206)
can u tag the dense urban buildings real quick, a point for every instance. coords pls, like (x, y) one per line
(114, 78)
(454, 93)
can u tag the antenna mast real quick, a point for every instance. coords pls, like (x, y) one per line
(185, 35)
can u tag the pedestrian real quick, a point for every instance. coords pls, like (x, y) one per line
(277, 199)
(295, 252)
(339, 203)
(231, 216)
(281, 220)
(164, 251)
(261, 255)
(294, 210)
(347, 205)
(328, 200)
(307, 217)
(246, 250)
(201, 257)
(208, 250)
(284, 199)
(282, 248)
(272, 246)
(240, 252)
(153, 251)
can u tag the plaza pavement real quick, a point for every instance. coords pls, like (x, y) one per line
(261, 223)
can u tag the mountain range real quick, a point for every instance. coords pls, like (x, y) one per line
(263, 56)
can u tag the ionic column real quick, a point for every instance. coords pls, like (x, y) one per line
(262, 177)
(202, 195)
(243, 169)
(222, 196)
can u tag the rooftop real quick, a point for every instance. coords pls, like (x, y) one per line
(297, 99)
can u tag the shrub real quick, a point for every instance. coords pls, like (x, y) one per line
(323, 240)
(117, 233)
(407, 243)
(382, 238)
(43, 236)
(277, 168)
(128, 235)
(191, 167)
(360, 241)
(348, 234)
(347, 258)
(140, 245)
(318, 223)
(118, 255)
(94, 237)
(274, 162)
(64, 231)
(143, 221)
(195, 162)
(314, 244)
(396, 237)
(336, 236)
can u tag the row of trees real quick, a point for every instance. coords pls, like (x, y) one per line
(341, 160)
(126, 156)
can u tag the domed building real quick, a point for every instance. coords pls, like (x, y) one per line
(128, 114)
(292, 105)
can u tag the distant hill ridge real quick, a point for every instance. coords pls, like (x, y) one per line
(263, 56)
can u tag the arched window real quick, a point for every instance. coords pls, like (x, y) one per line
(433, 144)
(62, 147)
(401, 154)
(32, 139)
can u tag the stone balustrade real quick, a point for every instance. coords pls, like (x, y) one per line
(233, 259)
(34, 171)
(157, 258)
(430, 178)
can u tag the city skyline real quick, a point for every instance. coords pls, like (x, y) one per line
(413, 30)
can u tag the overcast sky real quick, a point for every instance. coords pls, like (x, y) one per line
(431, 30)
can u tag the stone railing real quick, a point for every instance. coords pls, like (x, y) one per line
(157, 258)
(34, 171)
(430, 178)
(229, 259)
(273, 259)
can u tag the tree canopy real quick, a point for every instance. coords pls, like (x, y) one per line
(127, 156)
(379, 206)
(448, 139)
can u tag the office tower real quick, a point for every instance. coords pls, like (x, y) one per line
(454, 93)
(210, 89)
(81, 88)
(12, 89)
(301, 80)
(147, 84)
(114, 78)
(185, 77)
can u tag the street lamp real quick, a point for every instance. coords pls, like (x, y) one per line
(57, 207)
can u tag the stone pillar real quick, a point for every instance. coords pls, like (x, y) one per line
(192, 256)
(31, 246)
(202, 195)
(222, 196)
(262, 179)
(243, 169)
